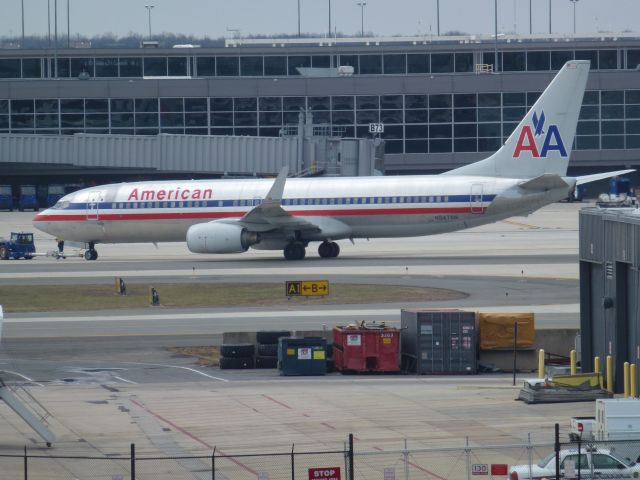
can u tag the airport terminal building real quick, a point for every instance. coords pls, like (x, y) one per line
(441, 100)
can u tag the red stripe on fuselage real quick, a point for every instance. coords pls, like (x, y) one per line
(217, 215)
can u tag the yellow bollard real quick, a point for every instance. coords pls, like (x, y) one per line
(541, 363)
(597, 369)
(633, 386)
(573, 357)
(626, 379)
(609, 367)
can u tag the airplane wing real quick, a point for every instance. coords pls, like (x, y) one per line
(270, 215)
(599, 176)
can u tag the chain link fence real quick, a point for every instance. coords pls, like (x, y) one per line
(331, 465)
(577, 458)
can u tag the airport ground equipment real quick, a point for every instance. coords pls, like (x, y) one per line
(537, 390)
(19, 245)
(25, 405)
(302, 356)
(617, 422)
(6, 198)
(267, 347)
(620, 194)
(438, 341)
(237, 356)
(366, 348)
(28, 199)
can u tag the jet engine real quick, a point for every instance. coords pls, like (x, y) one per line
(219, 237)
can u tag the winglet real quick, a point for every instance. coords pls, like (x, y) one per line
(599, 176)
(277, 189)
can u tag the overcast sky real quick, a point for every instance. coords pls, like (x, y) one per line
(213, 18)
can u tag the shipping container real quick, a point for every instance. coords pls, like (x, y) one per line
(366, 348)
(302, 356)
(438, 341)
(496, 330)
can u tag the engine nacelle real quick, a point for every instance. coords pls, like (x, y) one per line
(219, 237)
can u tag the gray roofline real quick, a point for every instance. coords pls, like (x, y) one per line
(464, 44)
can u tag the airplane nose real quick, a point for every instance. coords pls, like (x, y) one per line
(40, 222)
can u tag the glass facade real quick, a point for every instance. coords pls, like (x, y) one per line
(416, 123)
(411, 63)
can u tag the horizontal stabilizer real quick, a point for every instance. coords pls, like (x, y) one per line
(543, 183)
(599, 176)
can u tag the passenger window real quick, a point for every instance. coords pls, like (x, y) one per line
(583, 461)
(605, 461)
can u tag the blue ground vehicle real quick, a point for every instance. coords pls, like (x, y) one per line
(20, 245)
(6, 199)
(54, 193)
(28, 199)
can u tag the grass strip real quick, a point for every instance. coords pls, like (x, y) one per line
(56, 298)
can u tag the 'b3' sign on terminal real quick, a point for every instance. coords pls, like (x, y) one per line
(307, 288)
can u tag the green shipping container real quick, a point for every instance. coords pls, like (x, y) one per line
(302, 356)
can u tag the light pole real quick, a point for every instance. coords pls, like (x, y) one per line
(362, 5)
(530, 20)
(68, 27)
(55, 39)
(495, 35)
(298, 18)
(49, 25)
(149, 8)
(329, 18)
(22, 44)
(574, 15)
(549, 17)
(438, 17)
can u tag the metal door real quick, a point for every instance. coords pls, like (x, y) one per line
(93, 205)
(476, 198)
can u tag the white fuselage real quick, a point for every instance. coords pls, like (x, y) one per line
(370, 207)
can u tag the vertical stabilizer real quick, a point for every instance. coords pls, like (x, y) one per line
(542, 141)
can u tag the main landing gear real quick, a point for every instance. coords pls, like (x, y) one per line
(296, 250)
(92, 253)
(328, 250)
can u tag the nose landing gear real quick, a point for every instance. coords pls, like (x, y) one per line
(92, 253)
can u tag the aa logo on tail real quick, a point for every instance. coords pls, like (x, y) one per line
(527, 139)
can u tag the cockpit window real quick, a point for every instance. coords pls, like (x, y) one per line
(61, 205)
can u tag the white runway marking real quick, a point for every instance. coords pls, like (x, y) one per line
(356, 312)
(125, 380)
(539, 270)
(24, 377)
(182, 368)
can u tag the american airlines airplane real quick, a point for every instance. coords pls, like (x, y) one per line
(229, 216)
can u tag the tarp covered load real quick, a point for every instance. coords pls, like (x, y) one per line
(497, 330)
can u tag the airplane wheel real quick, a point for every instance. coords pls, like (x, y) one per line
(94, 254)
(335, 249)
(90, 254)
(325, 250)
(294, 251)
